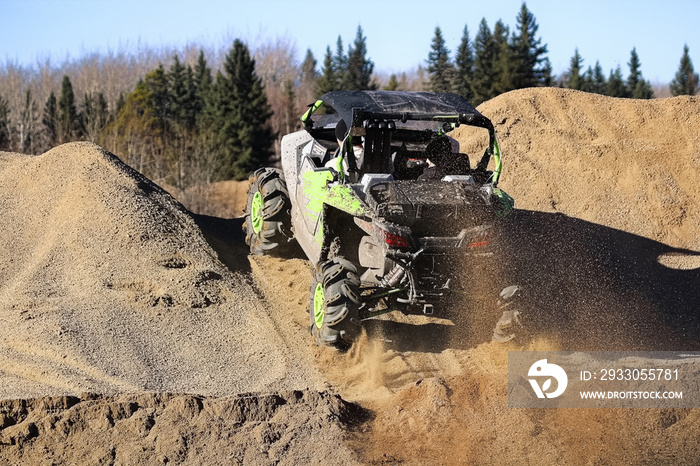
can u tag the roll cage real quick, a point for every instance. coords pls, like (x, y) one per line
(392, 122)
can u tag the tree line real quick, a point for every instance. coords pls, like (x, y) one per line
(213, 116)
(493, 63)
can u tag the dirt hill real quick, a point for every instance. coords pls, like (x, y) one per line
(108, 286)
(628, 164)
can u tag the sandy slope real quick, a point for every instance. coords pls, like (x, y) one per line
(108, 286)
(627, 164)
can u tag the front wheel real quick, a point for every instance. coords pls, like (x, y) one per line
(335, 304)
(268, 214)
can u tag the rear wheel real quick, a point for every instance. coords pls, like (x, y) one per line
(335, 303)
(268, 214)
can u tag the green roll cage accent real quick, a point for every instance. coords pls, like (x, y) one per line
(319, 297)
(256, 208)
(339, 164)
(310, 111)
(496, 160)
(506, 203)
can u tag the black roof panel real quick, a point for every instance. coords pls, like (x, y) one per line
(412, 104)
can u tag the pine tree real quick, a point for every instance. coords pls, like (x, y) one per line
(635, 74)
(587, 80)
(528, 54)
(685, 82)
(181, 118)
(485, 56)
(101, 111)
(573, 78)
(393, 83)
(157, 83)
(547, 78)
(594, 81)
(643, 90)
(209, 122)
(439, 65)
(598, 83)
(121, 101)
(308, 79)
(329, 78)
(178, 93)
(68, 123)
(616, 86)
(637, 87)
(192, 106)
(358, 75)
(140, 126)
(340, 64)
(135, 128)
(203, 144)
(503, 81)
(202, 82)
(464, 70)
(290, 110)
(50, 120)
(87, 115)
(243, 135)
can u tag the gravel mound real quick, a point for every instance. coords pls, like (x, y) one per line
(108, 285)
(293, 427)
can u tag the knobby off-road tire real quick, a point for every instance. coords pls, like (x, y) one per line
(268, 214)
(335, 304)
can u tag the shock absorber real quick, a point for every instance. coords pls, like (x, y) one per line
(394, 277)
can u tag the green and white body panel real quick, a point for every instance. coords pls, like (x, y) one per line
(310, 188)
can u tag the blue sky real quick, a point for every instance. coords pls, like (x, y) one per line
(398, 32)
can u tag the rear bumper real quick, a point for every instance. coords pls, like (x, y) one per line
(469, 240)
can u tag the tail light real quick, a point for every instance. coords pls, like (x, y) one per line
(395, 241)
(478, 244)
(392, 239)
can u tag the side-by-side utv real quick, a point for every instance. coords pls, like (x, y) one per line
(380, 198)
